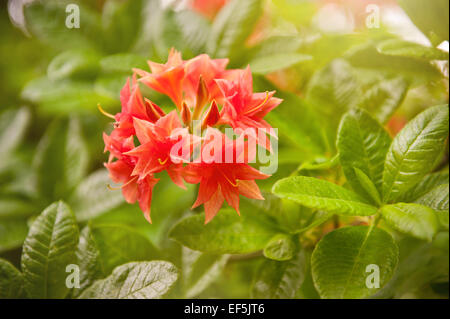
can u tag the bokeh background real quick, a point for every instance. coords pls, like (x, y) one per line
(321, 56)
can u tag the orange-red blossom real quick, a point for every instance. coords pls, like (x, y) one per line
(203, 91)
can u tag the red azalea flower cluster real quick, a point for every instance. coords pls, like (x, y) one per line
(198, 87)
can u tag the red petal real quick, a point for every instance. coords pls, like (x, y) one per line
(249, 189)
(213, 206)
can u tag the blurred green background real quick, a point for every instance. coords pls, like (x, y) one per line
(323, 57)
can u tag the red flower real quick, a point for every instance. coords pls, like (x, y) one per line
(154, 153)
(202, 89)
(220, 180)
(133, 189)
(244, 109)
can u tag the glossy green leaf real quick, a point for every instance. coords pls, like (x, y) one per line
(11, 281)
(437, 199)
(413, 219)
(61, 159)
(398, 47)
(279, 279)
(275, 62)
(227, 233)
(368, 186)
(48, 249)
(92, 197)
(414, 150)
(104, 247)
(323, 195)
(232, 26)
(340, 262)
(281, 247)
(427, 183)
(362, 144)
(136, 280)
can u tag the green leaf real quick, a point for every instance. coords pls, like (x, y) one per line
(13, 125)
(275, 62)
(429, 182)
(323, 195)
(362, 143)
(48, 249)
(200, 270)
(413, 151)
(232, 26)
(11, 281)
(136, 280)
(122, 62)
(432, 19)
(412, 219)
(384, 97)
(227, 233)
(397, 47)
(73, 63)
(61, 159)
(340, 260)
(437, 199)
(281, 247)
(104, 247)
(279, 279)
(92, 197)
(368, 186)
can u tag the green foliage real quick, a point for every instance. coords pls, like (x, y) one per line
(353, 188)
(417, 220)
(279, 279)
(413, 151)
(48, 249)
(362, 144)
(227, 233)
(136, 280)
(339, 261)
(319, 194)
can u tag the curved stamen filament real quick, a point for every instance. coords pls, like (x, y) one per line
(259, 105)
(163, 162)
(104, 112)
(122, 186)
(228, 180)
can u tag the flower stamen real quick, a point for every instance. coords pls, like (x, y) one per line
(104, 112)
